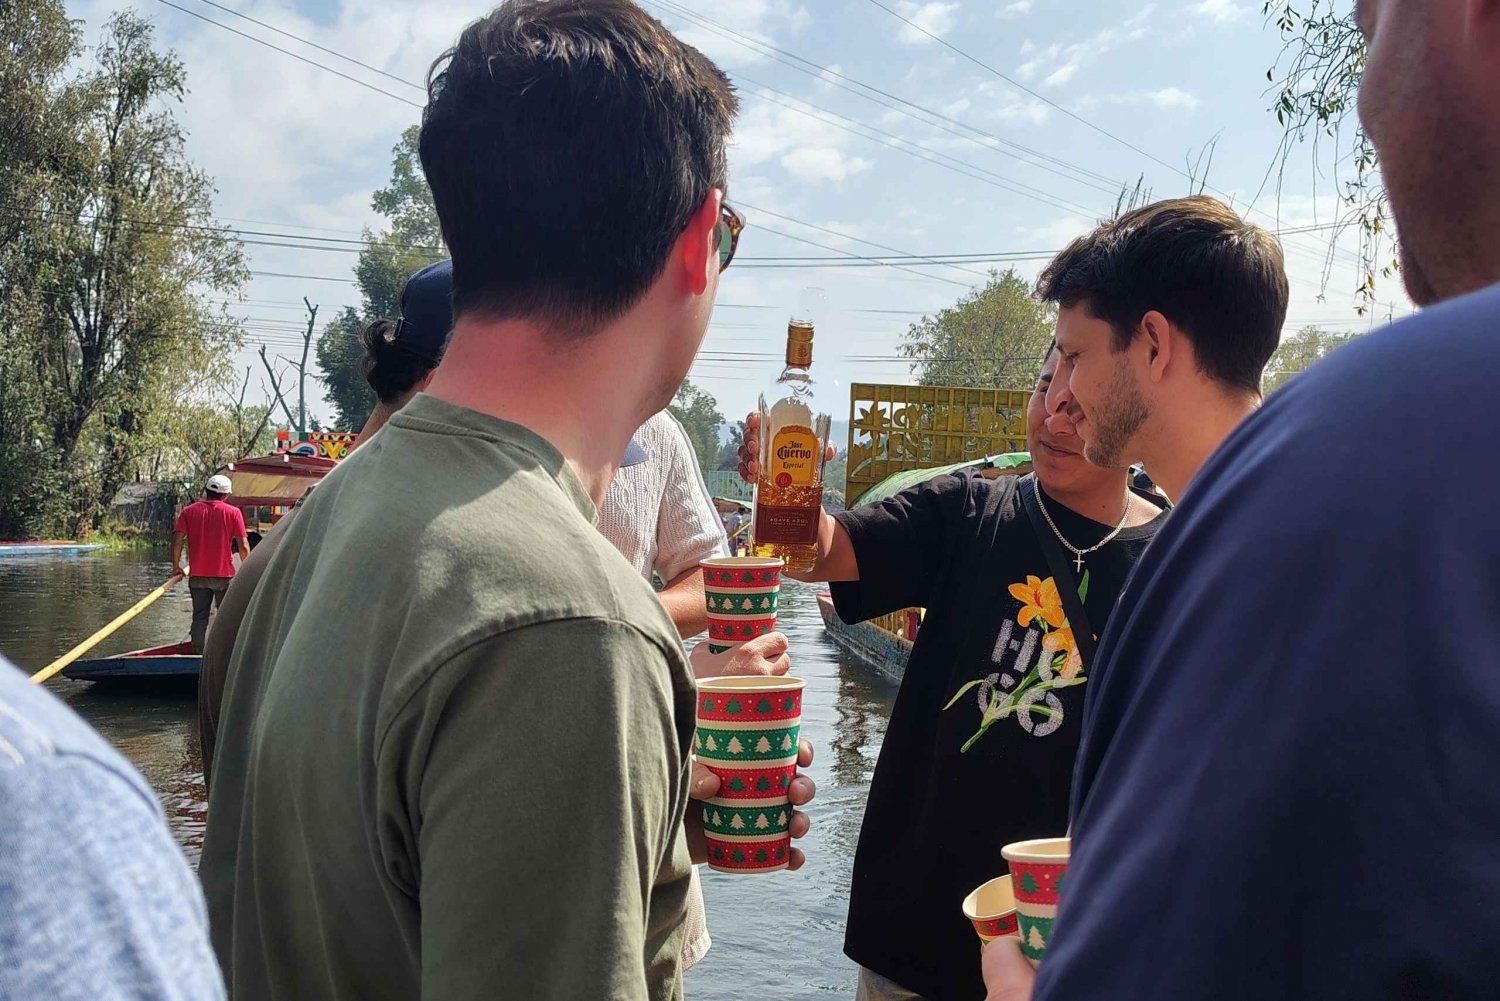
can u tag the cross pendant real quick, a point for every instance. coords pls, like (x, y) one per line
(1078, 563)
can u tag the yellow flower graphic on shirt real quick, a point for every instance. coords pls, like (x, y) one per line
(1039, 600)
(1062, 641)
(1033, 701)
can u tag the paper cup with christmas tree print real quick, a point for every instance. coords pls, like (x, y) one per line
(991, 907)
(747, 736)
(742, 593)
(1038, 870)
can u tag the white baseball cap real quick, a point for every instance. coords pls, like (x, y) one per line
(219, 484)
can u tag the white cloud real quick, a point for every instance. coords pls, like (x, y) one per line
(806, 147)
(1219, 11)
(1165, 99)
(1056, 64)
(1018, 9)
(830, 76)
(823, 164)
(1172, 97)
(927, 19)
(1006, 105)
(759, 19)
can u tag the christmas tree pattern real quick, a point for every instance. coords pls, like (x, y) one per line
(781, 819)
(710, 743)
(1035, 940)
(737, 823)
(786, 742)
(735, 747)
(1028, 883)
(764, 705)
(736, 784)
(734, 708)
(708, 704)
(747, 604)
(765, 603)
(763, 746)
(761, 823)
(790, 704)
(763, 785)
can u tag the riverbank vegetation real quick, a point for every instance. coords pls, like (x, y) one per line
(114, 277)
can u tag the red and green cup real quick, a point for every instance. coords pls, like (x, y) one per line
(742, 594)
(991, 908)
(747, 735)
(1038, 870)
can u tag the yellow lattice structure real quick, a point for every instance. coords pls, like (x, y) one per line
(892, 428)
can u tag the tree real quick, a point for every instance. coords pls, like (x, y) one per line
(698, 412)
(992, 338)
(36, 42)
(106, 315)
(1295, 353)
(729, 452)
(1320, 69)
(388, 259)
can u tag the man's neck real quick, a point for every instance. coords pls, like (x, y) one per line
(585, 398)
(1178, 454)
(1104, 501)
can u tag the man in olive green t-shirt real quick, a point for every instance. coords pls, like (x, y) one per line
(452, 759)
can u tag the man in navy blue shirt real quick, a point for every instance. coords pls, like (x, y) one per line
(1286, 785)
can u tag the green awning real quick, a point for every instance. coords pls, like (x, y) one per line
(897, 482)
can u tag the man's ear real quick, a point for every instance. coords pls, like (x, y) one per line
(1162, 341)
(698, 246)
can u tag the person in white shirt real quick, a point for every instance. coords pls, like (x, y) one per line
(659, 515)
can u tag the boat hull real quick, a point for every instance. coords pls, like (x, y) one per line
(47, 548)
(883, 651)
(176, 660)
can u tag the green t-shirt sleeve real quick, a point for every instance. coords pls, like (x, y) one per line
(541, 779)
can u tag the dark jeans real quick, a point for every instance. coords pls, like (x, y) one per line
(208, 593)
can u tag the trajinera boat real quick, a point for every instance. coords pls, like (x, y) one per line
(885, 642)
(265, 488)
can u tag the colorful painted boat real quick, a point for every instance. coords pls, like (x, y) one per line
(47, 548)
(881, 643)
(175, 660)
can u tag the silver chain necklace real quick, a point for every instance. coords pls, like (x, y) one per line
(1079, 554)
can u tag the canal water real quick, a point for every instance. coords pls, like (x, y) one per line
(777, 936)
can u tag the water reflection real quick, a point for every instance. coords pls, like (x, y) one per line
(783, 933)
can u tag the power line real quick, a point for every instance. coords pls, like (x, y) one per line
(848, 83)
(920, 152)
(315, 45)
(1027, 90)
(289, 52)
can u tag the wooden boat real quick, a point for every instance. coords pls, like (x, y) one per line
(47, 548)
(885, 642)
(882, 643)
(175, 660)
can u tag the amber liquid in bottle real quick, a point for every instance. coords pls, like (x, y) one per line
(793, 444)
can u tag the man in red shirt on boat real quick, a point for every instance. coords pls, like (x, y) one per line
(210, 527)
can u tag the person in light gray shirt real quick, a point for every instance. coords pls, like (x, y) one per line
(96, 901)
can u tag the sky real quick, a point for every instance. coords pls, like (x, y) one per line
(1001, 130)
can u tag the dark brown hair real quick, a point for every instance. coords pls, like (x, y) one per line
(391, 371)
(567, 144)
(1219, 279)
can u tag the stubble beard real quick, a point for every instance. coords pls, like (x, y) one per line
(1119, 415)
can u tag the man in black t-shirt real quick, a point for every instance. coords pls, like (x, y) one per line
(980, 746)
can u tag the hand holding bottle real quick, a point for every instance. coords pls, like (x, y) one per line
(750, 448)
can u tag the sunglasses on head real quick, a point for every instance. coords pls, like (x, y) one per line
(731, 225)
